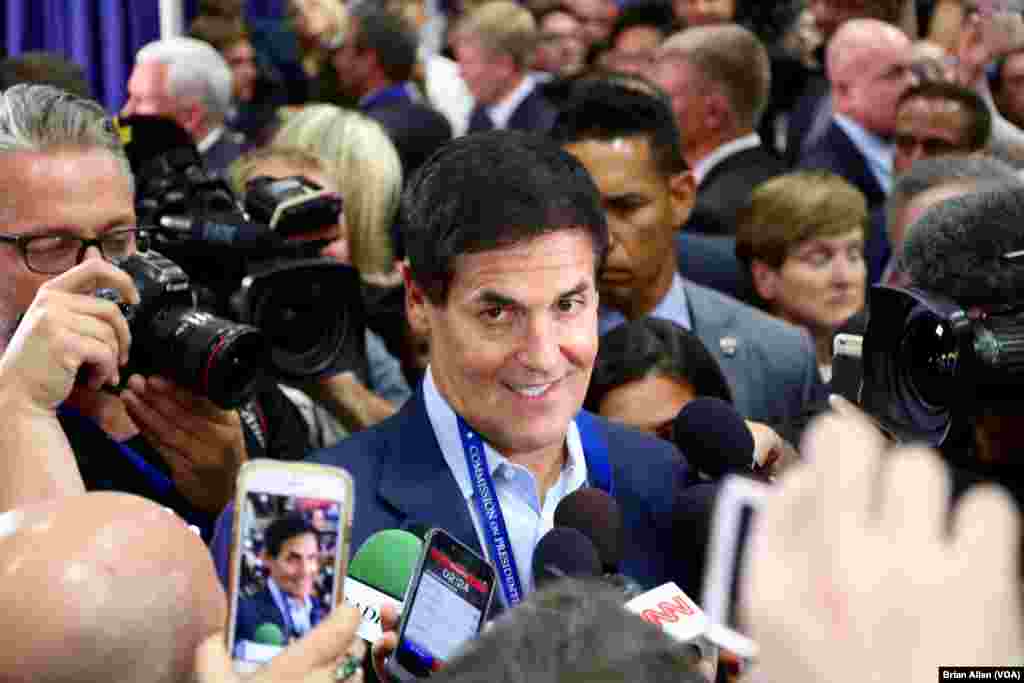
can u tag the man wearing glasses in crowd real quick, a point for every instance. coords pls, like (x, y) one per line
(67, 208)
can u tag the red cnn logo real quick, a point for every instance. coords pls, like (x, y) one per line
(668, 612)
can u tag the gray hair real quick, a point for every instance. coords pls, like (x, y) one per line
(573, 632)
(194, 69)
(38, 118)
(927, 174)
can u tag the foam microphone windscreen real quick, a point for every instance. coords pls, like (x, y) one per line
(147, 138)
(268, 634)
(594, 513)
(564, 552)
(713, 437)
(386, 561)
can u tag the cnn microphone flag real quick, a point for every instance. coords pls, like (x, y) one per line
(671, 610)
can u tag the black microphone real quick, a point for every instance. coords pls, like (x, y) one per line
(562, 553)
(714, 438)
(220, 229)
(597, 516)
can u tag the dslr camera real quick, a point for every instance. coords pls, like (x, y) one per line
(929, 362)
(228, 302)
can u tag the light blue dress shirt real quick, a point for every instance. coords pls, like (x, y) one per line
(526, 519)
(299, 611)
(672, 307)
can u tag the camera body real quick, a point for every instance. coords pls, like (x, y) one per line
(241, 276)
(930, 363)
(223, 360)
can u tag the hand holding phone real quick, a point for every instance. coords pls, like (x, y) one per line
(445, 605)
(290, 555)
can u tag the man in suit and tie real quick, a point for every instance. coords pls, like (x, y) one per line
(627, 140)
(718, 78)
(505, 237)
(494, 47)
(188, 81)
(292, 556)
(868, 66)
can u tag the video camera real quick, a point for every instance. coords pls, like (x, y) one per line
(227, 302)
(929, 362)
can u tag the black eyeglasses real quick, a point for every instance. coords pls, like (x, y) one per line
(52, 254)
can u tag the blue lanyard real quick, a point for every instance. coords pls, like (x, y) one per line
(156, 479)
(492, 520)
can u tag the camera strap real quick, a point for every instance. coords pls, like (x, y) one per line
(485, 497)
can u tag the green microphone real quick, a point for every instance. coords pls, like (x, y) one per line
(268, 634)
(378, 574)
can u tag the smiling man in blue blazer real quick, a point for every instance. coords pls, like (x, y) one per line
(505, 237)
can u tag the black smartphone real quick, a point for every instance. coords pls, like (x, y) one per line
(446, 604)
(847, 366)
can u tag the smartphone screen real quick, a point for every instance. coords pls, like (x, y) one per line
(446, 605)
(735, 512)
(291, 553)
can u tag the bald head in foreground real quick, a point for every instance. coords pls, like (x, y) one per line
(103, 587)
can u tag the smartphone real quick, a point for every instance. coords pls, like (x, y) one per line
(847, 366)
(735, 509)
(445, 606)
(289, 556)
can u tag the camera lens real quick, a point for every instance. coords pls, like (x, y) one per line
(225, 361)
(929, 359)
(305, 335)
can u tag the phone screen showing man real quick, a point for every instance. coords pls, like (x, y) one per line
(286, 573)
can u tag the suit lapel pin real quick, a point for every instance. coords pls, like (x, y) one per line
(728, 346)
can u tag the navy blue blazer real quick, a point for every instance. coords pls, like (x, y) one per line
(836, 152)
(260, 609)
(402, 480)
(727, 186)
(535, 114)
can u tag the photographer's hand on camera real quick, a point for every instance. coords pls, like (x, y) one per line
(202, 444)
(65, 329)
(68, 327)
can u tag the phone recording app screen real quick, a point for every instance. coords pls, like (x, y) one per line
(446, 611)
(286, 570)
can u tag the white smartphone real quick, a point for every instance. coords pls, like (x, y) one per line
(290, 551)
(736, 506)
(847, 366)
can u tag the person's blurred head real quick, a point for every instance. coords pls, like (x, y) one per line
(363, 162)
(45, 68)
(647, 370)
(1008, 87)
(378, 50)
(718, 78)
(829, 15)
(504, 236)
(802, 239)
(573, 632)
(596, 17)
(638, 32)
(939, 178)
(183, 79)
(317, 22)
(704, 12)
(231, 39)
(626, 138)
(869, 67)
(560, 47)
(104, 587)
(65, 175)
(285, 162)
(292, 554)
(934, 119)
(494, 46)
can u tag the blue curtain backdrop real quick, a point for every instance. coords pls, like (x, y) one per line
(101, 35)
